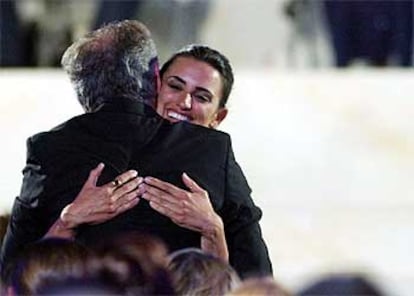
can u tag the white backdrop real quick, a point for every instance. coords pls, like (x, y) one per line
(329, 155)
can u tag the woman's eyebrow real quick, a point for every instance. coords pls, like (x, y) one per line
(203, 89)
(178, 78)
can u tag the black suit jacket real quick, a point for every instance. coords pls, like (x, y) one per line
(125, 134)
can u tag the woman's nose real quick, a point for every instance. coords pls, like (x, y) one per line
(185, 101)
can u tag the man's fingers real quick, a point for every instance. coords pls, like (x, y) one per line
(191, 184)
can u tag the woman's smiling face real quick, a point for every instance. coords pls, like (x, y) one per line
(191, 91)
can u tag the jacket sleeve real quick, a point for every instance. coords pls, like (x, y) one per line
(26, 222)
(247, 249)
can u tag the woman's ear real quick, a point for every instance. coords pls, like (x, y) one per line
(218, 117)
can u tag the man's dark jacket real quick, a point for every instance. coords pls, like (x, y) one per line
(126, 134)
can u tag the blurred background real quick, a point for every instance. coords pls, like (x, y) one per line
(321, 115)
(263, 33)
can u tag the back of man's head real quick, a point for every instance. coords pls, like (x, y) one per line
(117, 61)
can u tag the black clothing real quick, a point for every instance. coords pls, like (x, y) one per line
(126, 134)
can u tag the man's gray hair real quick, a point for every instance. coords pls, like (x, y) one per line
(116, 61)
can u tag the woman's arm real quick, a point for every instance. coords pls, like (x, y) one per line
(189, 209)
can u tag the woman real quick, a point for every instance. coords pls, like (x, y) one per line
(195, 85)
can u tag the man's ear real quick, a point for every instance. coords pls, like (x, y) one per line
(219, 117)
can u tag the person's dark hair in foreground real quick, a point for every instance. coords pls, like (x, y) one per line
(342, 285)
(197, 273)
(56, 266)
(213, 58)
(45, 262)
(145, 257)
(265, 286)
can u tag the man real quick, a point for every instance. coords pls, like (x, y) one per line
(115, 73)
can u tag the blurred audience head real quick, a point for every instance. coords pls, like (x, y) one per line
(341, 284)
(119, 60)
(265, 286)
(138, 261)
(195, 272)
(46, 262)
(146, 249)
(131, 264)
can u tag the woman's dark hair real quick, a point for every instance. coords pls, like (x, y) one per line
(213, 58)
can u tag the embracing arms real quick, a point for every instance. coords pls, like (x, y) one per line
(188, 209)
(96, 204)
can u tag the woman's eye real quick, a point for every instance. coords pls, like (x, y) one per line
(175, 86)
(203, 98)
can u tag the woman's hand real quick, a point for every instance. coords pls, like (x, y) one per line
(97, 204)
(189, 209)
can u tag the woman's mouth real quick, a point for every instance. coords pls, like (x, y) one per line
(177, 116)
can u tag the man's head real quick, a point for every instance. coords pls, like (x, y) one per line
(116, 61)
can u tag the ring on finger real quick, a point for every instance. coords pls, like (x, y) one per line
(116, 183)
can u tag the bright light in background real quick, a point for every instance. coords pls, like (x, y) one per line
(31, 102)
